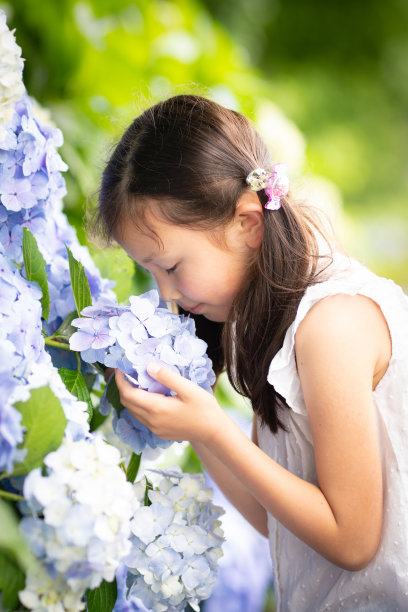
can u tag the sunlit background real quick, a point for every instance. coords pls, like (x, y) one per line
(326, 83)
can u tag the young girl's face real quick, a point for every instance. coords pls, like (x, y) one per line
(189, 267)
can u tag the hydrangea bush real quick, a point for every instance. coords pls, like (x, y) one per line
(73, 514)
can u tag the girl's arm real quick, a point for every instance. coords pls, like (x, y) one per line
(237, 493)
(342, 346)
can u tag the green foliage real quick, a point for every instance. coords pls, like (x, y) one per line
(103, 598)
(34, 264)
(79, 282)
(65, 330)
(133, 467)
(11, 582)
(15, 557)
(149, 487)
(97, 420)
(76, 384)
(44, 419)
(116, 265)
(112, 394)
(12, 544)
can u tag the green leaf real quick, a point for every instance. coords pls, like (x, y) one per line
(12, 581)
(97, 420)
(79, 282)
(149, 487)
(76, 384)
(133, 467)
(112, 394)
(115, 263)
(89, 380)
(12, 543)
(34, 264)
(45, 421)
(103, 598)
(66, 330)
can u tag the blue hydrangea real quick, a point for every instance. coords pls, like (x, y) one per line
(129, 338)
(31, 191)
(176, 544)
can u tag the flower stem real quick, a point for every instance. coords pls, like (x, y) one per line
(50, 342)
(78, 361)
(13, 496)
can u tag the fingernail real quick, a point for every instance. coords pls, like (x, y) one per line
(153, 368)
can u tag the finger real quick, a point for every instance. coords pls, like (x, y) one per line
(169, 378)
(134, 397)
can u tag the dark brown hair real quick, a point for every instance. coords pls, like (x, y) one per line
(191, 156)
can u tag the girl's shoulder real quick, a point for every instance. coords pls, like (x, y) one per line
(344, 278)
(343, 331)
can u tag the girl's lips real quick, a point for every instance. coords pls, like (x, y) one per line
(195, 309)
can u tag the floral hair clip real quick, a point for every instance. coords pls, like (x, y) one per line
(275, 183)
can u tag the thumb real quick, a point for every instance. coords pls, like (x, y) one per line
(169, 378)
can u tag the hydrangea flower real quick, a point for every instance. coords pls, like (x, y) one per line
(21, 347)
(31, 191)
(45, 594)
(11, 69)
(129, 338)
(80, 511)
(176, 544)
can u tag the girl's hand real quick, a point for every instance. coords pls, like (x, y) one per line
(193, 414)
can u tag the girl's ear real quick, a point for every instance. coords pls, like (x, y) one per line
(249, 219)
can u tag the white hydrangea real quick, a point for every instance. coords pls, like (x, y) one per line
(43, 594)
(11, 70)
(80, 512)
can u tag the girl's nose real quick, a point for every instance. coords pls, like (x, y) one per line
(167, 290)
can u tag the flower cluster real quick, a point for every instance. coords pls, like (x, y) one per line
(129, 338)
(11, 69)
(44, 594)
(32, 188)
(21, 346)
(176, 544)
(80, 509)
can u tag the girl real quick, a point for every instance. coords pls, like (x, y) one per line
(317, 342)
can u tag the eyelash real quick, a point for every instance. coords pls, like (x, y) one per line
(171, 270)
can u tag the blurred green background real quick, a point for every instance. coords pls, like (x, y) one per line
(326, 83)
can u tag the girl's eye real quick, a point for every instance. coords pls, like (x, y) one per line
(172, 269)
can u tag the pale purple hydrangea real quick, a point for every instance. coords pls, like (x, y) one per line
(129, 338)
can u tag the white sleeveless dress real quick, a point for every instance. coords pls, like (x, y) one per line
(304, 580)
